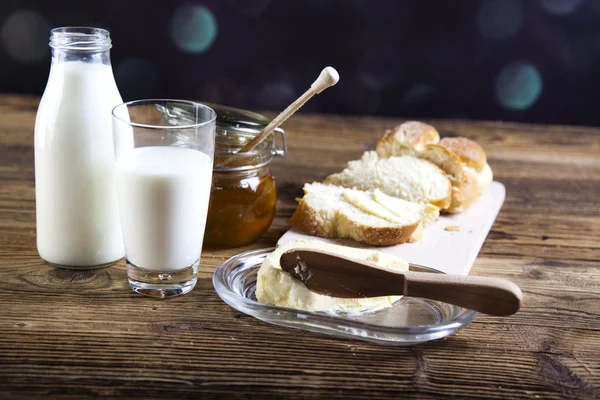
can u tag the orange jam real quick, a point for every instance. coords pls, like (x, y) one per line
(242, 207)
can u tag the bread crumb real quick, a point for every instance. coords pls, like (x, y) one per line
(452, 228)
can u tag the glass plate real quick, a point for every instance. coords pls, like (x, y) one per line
(409, 321)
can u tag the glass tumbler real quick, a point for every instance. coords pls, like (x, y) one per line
(163, 171)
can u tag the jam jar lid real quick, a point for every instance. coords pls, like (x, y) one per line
(236, 127)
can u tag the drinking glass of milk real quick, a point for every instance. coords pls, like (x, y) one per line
(163, 174)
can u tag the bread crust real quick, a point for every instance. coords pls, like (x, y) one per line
(417, 234)
(408, 138)
(469, 152)
(375, 236)
(446, 160)
(307, 220)
(465, 195)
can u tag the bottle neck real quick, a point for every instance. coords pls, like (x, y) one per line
(89, 45)
(92, 57)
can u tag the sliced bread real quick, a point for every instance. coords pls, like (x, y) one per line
(463, 160)
(473, 158)
(335, 212)
(406, 177)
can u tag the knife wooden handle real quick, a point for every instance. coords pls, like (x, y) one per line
(492, 296)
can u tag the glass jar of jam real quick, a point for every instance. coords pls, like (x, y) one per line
(243, 195)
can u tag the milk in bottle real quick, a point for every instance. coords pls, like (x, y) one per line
(76, 203)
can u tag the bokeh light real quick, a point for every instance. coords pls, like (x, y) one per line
(25, 35)
(137, 78)
(499, 19)
(193, 28)
(518, 86)
(560, 7)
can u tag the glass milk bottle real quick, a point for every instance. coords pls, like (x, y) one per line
(76, 204)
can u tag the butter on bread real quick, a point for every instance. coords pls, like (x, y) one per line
(368, 217)
(277, 287)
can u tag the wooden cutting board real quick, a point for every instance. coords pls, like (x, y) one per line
(452, 252)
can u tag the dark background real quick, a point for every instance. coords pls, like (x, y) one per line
(520, 60)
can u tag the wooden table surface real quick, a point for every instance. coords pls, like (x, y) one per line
(74, 334)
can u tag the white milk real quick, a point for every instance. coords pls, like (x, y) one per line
(163, 200)
(77, 212)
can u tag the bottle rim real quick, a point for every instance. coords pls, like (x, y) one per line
(80, 38)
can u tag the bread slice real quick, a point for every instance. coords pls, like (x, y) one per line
(464, 188)
(474, 161)
(446, 160)
(406, 177)
(465, 194)
(335, 212)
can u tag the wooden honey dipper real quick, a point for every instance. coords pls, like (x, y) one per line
(327, 78)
